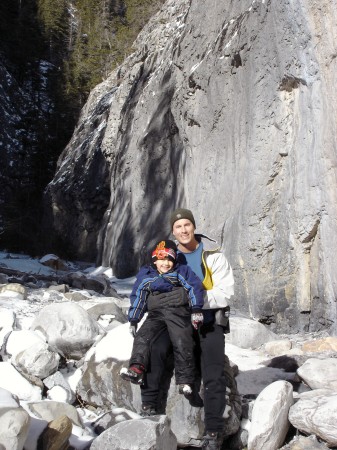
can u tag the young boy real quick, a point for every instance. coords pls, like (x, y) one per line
(173, 297)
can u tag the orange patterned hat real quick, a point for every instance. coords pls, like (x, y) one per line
(165, 249)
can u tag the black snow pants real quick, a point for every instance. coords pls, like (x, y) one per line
(210, 354)
(168, 311)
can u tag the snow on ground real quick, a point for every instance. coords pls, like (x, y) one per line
(106, 347)
(253, 375)
(24, 264)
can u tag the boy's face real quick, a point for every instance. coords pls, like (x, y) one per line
(163, 265)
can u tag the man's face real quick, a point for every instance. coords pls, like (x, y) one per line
(183, 231)
(163, 265)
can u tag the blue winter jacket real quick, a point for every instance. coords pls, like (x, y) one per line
(148, 280)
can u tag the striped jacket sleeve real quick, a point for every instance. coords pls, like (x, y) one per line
(138, 297)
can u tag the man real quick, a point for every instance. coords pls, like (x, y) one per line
(210, 265)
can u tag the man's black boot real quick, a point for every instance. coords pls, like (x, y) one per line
(148, 410)
(211, 441)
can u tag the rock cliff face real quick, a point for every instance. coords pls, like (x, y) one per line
(227, 108)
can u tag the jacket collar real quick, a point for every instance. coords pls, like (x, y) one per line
(208, 243)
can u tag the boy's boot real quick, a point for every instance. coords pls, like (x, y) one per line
(135, 374)
(148, 410)
(211, 441)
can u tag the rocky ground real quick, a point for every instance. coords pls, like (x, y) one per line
(64, 337)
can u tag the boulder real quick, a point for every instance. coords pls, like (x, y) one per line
(14, 382)
(101, 384)
(51, 410)
(316, 414)
(13, 290)
(108, 308)
(37, 360)
(143, 434)
(58, 387)
(14, 427)
(304, 443)
(68, 328)
(269, 424)
(279, 347)
(248, 333)
(56, 435)
(14, 422)
(321, 345)
(63, 288)
(98, 283)
(319, 373)
(20, 340)
(77, 296)
(54, 262)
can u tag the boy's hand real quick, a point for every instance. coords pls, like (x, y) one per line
(197, 320)
(133, 328)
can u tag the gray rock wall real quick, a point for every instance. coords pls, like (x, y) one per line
(226, 108)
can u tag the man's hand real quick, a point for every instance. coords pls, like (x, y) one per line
(197, 320)
(133, 328)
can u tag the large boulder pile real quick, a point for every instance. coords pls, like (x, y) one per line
(56, 393)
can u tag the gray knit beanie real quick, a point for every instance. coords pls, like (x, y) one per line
(181, 213)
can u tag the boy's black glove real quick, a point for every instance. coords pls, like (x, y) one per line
(133, 328)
